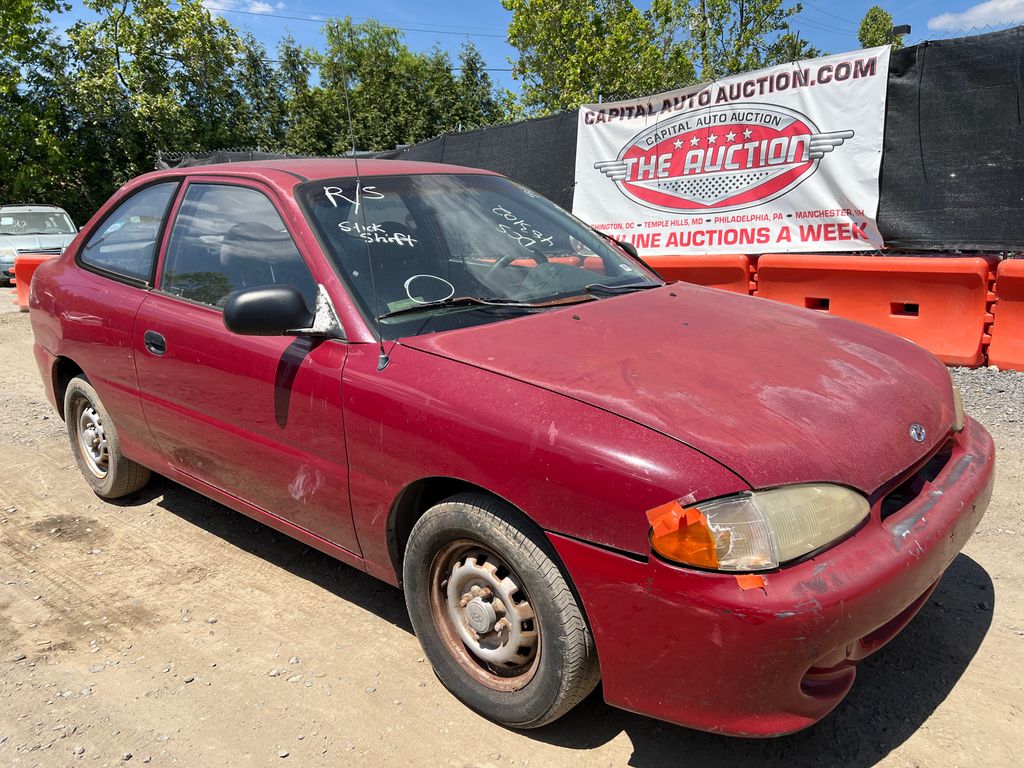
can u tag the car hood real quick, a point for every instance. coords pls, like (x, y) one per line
(36, 242)
(777, 394)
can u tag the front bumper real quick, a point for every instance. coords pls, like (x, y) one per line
(696, 649)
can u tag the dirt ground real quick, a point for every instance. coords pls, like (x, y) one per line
(168, 630)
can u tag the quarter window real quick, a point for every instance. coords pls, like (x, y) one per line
(125, 243)
(226, 238)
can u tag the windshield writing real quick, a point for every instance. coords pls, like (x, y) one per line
(461, 242)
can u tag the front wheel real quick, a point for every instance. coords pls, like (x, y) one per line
(96, 445)
(495, 615)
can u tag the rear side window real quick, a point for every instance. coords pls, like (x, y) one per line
(125, 243)
(226, 238)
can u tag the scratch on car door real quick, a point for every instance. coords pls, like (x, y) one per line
(306, 483)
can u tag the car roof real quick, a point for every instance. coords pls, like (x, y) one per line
(31, 208)
(311, 169)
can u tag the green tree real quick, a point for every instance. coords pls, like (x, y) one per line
(398, 96)
(82, 113)
(311, 122)
(368, 64)
(476, 103)
(876, 29)
(732, 36)
(170, 70)
(33, 159)
(257, 108)
(577, 51)
(23, 32)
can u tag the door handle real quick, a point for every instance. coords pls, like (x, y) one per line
(155, 342)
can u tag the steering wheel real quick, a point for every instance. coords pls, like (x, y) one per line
(508, 258)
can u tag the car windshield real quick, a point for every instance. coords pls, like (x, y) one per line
(35, 223)
(432, 252)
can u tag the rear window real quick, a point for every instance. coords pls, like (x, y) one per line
(125, 243)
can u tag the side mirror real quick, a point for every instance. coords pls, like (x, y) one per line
(272, 310)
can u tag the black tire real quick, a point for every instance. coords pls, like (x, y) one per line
(551, 673)
(96, 446)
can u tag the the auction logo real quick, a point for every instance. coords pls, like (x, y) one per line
(720, 159)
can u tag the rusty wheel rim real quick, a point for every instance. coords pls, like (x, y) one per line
(92, 440)
(484, 615)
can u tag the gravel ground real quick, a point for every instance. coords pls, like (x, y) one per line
(168, 630)
(995, 398)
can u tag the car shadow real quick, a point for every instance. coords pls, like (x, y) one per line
(895, 692)
(307, 563)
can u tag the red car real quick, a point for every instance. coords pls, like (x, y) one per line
(714, 503)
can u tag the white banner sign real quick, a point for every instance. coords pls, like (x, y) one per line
(782, 159)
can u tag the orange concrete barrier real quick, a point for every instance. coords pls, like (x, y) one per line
(940, 304)
(730, 272)
(24, 268)
(1007, 347)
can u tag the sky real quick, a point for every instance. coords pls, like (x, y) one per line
(828, 25)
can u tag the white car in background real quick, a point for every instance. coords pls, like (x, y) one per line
(42, 230)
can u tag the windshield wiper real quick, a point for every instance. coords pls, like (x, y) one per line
(472, 301)
(456, 301)
(602, 288)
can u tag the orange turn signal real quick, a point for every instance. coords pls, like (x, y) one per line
(682, 535)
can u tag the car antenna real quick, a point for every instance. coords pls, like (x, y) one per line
(382, 358)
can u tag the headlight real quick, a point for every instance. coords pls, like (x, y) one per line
(756, 531)
(7, 253)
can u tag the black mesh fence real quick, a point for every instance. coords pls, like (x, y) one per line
(539, 153)
(953, 159)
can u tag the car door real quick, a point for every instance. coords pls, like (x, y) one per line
(100, 297)
(257, 417)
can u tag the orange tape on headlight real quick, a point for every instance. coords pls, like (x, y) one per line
(682, 535)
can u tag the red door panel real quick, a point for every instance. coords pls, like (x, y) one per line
(96, 317)
(257, 417)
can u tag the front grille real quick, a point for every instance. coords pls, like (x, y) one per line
(41, 251)
(912, 485)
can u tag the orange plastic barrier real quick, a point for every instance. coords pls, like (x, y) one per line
(1007, 347)
(940, 304)
(24, 268)
(730, 272)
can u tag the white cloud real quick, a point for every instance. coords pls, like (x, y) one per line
(992, 13)
(247, 6)
(218, 5)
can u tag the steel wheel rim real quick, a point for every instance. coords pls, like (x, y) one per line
(92, 441)
(484, 615)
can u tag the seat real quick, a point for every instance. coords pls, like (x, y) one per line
(254, 254)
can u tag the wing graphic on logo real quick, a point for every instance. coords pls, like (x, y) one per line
(825, 142)
(615, 170)
(711, 188)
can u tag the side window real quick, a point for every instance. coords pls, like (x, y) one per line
(226, 238)
(125, 243)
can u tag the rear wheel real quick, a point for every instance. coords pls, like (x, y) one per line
(96, 446)
(494, 613)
